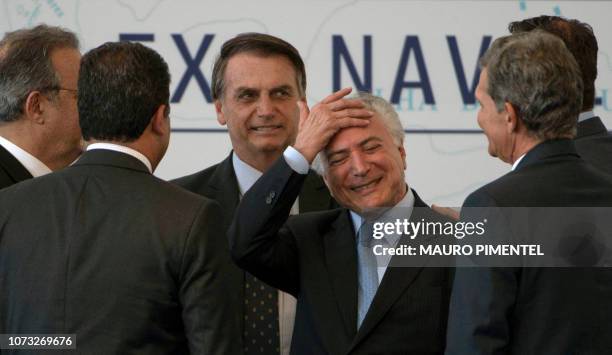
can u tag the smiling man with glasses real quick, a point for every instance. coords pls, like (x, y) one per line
(39, 128)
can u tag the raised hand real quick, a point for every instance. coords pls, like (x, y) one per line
(318, 125)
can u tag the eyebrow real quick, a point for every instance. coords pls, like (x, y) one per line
(245, 88)
(276, 88)
(282, 87)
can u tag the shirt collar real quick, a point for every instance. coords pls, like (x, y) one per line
(586, 115)
(517, 161)
(402, 210)
(123, 149)
(32, 164)
(246, 175)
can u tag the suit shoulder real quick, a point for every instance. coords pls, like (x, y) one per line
(196, 181)
(5, 179)
(175, 191)
(485, 196)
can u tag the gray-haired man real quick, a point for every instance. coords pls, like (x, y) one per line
(346, 303)
(530, 93)
(39, 128)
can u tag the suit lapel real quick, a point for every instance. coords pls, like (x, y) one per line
(394, 283)
(341, 262)
(13, 167)
(223, 188)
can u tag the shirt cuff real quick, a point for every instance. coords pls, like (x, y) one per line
(296, 160)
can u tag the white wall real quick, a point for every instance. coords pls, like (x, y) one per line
(443, 167)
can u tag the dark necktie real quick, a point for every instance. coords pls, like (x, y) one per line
(261, 333)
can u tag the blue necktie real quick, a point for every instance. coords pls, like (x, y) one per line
(367, 270)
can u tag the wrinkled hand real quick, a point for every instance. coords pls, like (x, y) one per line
(319, 125)
(446, 211)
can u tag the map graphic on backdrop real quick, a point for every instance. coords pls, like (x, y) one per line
(421, 55)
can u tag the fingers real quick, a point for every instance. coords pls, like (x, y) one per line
(355, 113)
(345, 103)
(351, 122)
(337, 95)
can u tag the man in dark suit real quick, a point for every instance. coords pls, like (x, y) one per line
(593, 141)
(105, 250)
(39, 128)
(256, 83)
(346, 305)
(530, 96)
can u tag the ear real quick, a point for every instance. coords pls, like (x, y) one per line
(34, 107)
(160, 123)
(402, 152)
(512, 119)
(219, 109)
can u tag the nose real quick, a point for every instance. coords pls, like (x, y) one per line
(359, 164)
(265, 107)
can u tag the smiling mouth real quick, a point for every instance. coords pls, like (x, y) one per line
(366, 187)
(264, 129)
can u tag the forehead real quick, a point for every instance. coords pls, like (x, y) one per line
(256, 71)
(353, 136)
(481, 88)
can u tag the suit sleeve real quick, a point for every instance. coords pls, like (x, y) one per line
(260, 241)
(482, 301)
(201, 290)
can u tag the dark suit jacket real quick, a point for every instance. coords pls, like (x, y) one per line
(313, 256)
(594, 144)
(11, 170)
(536, 310)
(106, 250)
(219, 183)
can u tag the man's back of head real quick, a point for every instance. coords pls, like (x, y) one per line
(579, 40)
(124, 91)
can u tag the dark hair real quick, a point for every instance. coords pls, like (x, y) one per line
(121, 85)
(536, 73)
(578, 38)
(259, 44)
(25, 65)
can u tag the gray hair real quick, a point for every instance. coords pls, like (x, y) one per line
(537, 74)
(389, 118)
(25, 65)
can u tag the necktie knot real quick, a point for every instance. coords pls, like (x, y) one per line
(365, 234)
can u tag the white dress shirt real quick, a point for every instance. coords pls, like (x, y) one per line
(34, 166)
(246, 176)
(402, 210)
(123, 149)
(517, 161)
(586, 115)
